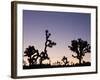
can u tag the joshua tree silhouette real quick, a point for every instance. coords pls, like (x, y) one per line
(65, 61)
(32, 54)
(48, 43)
(80, 47)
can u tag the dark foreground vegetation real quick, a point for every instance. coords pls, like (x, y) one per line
(37, 66)
(79, 47)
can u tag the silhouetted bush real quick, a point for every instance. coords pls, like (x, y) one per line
(65, 61)
(80, 47)
(32, 55)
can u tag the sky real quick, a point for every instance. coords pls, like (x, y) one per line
(63, 26)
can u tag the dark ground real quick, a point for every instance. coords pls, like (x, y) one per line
(38, 66)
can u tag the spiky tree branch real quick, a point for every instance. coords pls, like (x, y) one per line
(48, 43)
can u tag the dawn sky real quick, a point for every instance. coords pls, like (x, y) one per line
(63, 26)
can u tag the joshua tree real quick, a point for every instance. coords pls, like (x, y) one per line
(65, 61)
(32, 54)
(48, 43)
(80, 47)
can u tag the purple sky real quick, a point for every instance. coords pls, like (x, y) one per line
(63, 26)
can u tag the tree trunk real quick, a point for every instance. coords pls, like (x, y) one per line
(40, 61)
(30, 61)
(80, 61)
(80, 58)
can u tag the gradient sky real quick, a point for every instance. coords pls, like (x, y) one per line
(63, 26)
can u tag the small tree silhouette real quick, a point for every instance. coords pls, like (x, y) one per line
(80, 47)
(48, 43)
(58, 63)
(32, 54)
(65, 61)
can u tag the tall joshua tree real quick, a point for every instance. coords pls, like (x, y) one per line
(48, 43)
(65, 61)
(32, 55)
(80, 47)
